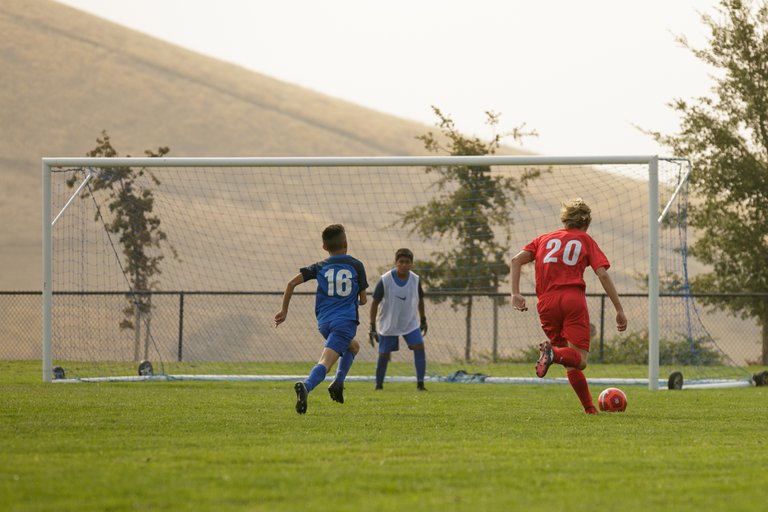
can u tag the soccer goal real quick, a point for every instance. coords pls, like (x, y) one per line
(173, 268)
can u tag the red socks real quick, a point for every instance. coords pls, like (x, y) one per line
(567, 356)
(579, 384)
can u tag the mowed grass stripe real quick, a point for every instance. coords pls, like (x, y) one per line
(241, 446)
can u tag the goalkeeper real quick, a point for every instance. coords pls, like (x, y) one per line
(401, 313)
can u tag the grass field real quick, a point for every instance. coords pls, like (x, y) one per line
(476, 447)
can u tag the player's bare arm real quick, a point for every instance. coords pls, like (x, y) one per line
(281, 315)
(520, 259)
(610, 289)
(362, 298)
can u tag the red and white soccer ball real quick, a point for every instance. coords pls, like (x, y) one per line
(612, 400)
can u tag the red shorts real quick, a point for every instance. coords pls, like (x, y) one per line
(564, 317)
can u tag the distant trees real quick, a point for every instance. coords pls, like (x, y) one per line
(137, 229)
(726, 136)
(472, 204)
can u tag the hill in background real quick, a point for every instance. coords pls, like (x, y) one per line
(68, 75)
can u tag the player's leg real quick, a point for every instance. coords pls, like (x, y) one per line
(578, 382)
(341, 339)
(317, 373)
(575, 354)
(549, 317)
(336, 388)
(565, 320)
(327, 359)
(347, 358)
(570, 357)
(316, 376)
(381, 368)
(387, 345)
(416, 343)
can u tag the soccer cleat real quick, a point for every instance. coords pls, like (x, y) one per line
(420, 386)
(336, 390)
(546, 358)
(379, 386)
(301, 397)
(590, 410)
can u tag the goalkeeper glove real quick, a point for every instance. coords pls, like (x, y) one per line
(423, 326)
(373, 338)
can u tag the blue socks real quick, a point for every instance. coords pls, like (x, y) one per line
(345, 363)
(318, 373)
(420, 361)
(381, 369)
(316, 376)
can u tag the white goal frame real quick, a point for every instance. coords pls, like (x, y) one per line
(489, 160)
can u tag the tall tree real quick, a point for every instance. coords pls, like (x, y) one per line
(471, 206)
(129, 216)
(726, 137)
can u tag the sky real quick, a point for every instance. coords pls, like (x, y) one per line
(587, 76)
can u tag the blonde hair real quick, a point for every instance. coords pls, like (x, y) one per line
(575, 214)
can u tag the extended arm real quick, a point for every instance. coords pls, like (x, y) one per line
(610, 289)
(283, 313)
(515, 266)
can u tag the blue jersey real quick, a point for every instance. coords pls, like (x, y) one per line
(340, 279)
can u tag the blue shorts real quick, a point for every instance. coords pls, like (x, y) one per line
(338, 334)
(392, 343)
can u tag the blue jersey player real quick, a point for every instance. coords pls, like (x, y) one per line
(341, 285)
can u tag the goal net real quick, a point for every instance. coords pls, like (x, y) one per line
(175, 267)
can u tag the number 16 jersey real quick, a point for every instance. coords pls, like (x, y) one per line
(340, 278)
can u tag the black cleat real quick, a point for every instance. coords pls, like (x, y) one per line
(420, 386)
(301, 397)
(336, 390)
(379, 386)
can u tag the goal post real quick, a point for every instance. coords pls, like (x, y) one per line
(231, 231)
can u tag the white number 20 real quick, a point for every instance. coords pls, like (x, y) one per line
(570, 252)
(339, 283)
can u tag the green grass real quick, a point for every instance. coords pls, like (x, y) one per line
(476, 447)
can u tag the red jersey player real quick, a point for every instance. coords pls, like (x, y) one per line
(561, 257)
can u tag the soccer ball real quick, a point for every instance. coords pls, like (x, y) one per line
(612, 400)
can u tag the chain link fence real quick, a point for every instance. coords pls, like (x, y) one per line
(238, 327)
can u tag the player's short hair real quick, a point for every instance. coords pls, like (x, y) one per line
(403, 253)
(334, 237)
(576, 214)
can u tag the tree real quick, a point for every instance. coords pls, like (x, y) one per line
(130, 218)
(726, 137)
(471, 204)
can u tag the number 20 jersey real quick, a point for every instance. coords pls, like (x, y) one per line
(339, 281)
(561, 258)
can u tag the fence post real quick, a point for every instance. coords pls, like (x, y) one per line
(468, 341)
(495, 329)
(181, 325)
(602, 325)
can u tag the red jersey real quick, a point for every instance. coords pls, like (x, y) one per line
(561, 258)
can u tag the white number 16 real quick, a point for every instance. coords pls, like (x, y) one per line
(340, 283)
